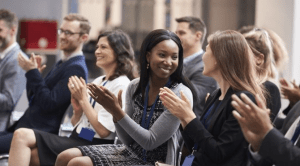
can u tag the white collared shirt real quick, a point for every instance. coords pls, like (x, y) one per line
(192, 57)
(4, 53)
(74, 54)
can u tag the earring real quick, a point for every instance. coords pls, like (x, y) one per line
(147, 65)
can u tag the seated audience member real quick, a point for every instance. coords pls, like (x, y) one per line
(12, 76)
(280, 54)
(147, 129)
(192, 32)
(49, 97)
(267, 144)
(216, 139)
(114, 55)
(261, 46)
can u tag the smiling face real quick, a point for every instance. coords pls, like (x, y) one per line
(163, 59)
(104, 54)
(69, 43)
(210, 63)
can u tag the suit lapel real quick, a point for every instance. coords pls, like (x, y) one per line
(221, 108)
(210, 101)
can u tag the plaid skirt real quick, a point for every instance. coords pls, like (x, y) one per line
(109, 155)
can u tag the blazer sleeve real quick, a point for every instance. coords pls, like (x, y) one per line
(219, 148)
(279, 150)
(52, 99)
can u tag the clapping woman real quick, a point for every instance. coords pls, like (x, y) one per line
(216, 139)
(93, 124)
(147, 129)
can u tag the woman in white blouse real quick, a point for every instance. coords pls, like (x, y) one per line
(92, 123)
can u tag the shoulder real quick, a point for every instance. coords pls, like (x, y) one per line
(180, 87)
(247, 93)
(270, 86)
(133, 85)
(78, 60)
(123, 79)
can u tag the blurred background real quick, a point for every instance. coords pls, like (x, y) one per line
(39, 20)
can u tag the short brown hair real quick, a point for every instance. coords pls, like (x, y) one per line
(84, 26)
(9, 17)
(195, 24)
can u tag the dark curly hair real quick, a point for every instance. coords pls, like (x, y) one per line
(120, 42)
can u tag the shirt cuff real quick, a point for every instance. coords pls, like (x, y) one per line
(255, 156)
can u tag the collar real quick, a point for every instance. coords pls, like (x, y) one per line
(74, 54)
(4, 53)
(193, 56)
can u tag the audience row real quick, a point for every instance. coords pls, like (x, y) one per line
(209, 104)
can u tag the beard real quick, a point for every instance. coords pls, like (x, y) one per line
(3, 43)
(67, 46)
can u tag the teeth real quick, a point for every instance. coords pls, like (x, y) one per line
(165, 70)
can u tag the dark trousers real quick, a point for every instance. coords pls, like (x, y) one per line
(5, 141)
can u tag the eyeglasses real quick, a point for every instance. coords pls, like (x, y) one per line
(67, 33)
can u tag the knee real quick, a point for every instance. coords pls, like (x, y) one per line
(64, 157)
(23, 135)
(77, 162)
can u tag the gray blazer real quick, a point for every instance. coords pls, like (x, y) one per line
(202, 84)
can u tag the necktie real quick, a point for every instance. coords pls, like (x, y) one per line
(296, 133)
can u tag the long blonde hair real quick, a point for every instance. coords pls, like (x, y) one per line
(235, 61)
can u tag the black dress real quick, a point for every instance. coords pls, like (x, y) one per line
(50, 145)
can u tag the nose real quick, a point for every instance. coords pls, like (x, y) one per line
(168, 61)
(97, 51)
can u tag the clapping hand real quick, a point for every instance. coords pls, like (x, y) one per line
(290, 91)
(39, 63)
(181, 108)
(77, 88)
(108, 100)
(27, 64)
(77, 109)
(253, 119)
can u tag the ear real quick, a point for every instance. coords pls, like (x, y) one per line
(148, 56)
(13, 30)
(260, 59)
(84, 37)
(199, 35)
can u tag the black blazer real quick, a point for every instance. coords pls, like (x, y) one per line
(293, 114)
(279, 150)
(202, 84)
(274, 100)
(223, 142)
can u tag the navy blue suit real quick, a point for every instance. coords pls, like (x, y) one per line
(48, 99)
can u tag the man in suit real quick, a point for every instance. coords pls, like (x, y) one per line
(12, 76)
(49, 97)
(192, 31)
(266, 141)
